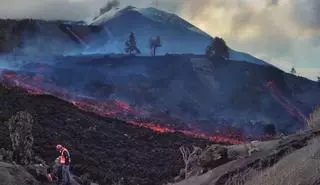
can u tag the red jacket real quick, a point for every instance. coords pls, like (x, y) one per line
(64, 157)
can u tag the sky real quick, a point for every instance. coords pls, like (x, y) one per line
(285, 33)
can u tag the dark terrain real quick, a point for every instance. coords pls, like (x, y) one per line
(111, 151)
(216, 96)
(43, 37)
(227, 94)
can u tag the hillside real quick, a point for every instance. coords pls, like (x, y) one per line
(110, 151)
(42, 38)
(292, 160)
(216, 96)
(106, 34)
(125, 116)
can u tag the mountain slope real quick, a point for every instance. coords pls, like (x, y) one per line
(173, 36)
(107, 149)
(107, 34)
(240, 56)
(46, 38)
(218, 96)
(177, 35)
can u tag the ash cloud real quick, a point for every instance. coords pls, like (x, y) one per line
(70, 9)
(283, 32)
(308, 13)
(109, 5)
(46, 9)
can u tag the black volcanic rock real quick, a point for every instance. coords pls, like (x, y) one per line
(111, 151)
(20, 128)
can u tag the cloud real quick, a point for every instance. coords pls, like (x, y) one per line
(49, 9)
(307, 13)
(269, 29)
(62, 9)
(109, 5)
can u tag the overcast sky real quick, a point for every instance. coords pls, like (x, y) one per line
(283, 32)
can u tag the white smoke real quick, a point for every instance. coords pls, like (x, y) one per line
(281, 31)
(47, 9)
(58, 9)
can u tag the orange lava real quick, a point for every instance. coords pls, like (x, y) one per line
(111, 108)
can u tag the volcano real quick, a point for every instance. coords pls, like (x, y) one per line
(127, 115)
(189, 93)
(107, 34)
(224, 98)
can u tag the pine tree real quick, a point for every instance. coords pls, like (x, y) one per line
(131, 45)
(218, 47)
(293, 71)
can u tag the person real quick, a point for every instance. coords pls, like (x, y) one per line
(64, 161)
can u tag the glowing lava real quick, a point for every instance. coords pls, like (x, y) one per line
(108, 108)
(289, 106)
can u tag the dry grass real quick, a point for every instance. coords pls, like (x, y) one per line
(313, 121)
(301, 167)
(314, 152)
(298, 168)
(276, 175)
(240, 178)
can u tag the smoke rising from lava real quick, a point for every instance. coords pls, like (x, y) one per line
(284, 32)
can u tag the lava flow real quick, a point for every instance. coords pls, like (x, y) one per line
(287, 105)
(109, 108)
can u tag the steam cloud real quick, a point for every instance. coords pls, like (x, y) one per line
(61, 9)
(49, 9)
(285, 32)
(109, 5)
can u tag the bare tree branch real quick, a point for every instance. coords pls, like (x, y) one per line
(187, 157)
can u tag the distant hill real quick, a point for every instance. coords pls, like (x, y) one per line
(178, 36)
(107, 34)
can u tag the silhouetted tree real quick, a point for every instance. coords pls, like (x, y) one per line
(318, 81)
(131, 45)
(293, 71)
(218, 47)
(269, 129)
(154, 43)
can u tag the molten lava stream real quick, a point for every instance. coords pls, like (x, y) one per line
(285, 103)
(117, 109)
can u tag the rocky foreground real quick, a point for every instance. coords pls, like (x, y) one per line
(107, 151)
(104, 150)
(287, 160)
(291, 160)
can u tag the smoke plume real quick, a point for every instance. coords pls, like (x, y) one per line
(284, 32)
(109, 5)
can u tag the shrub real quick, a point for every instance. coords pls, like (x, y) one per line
(269, 130)
(313, 121)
